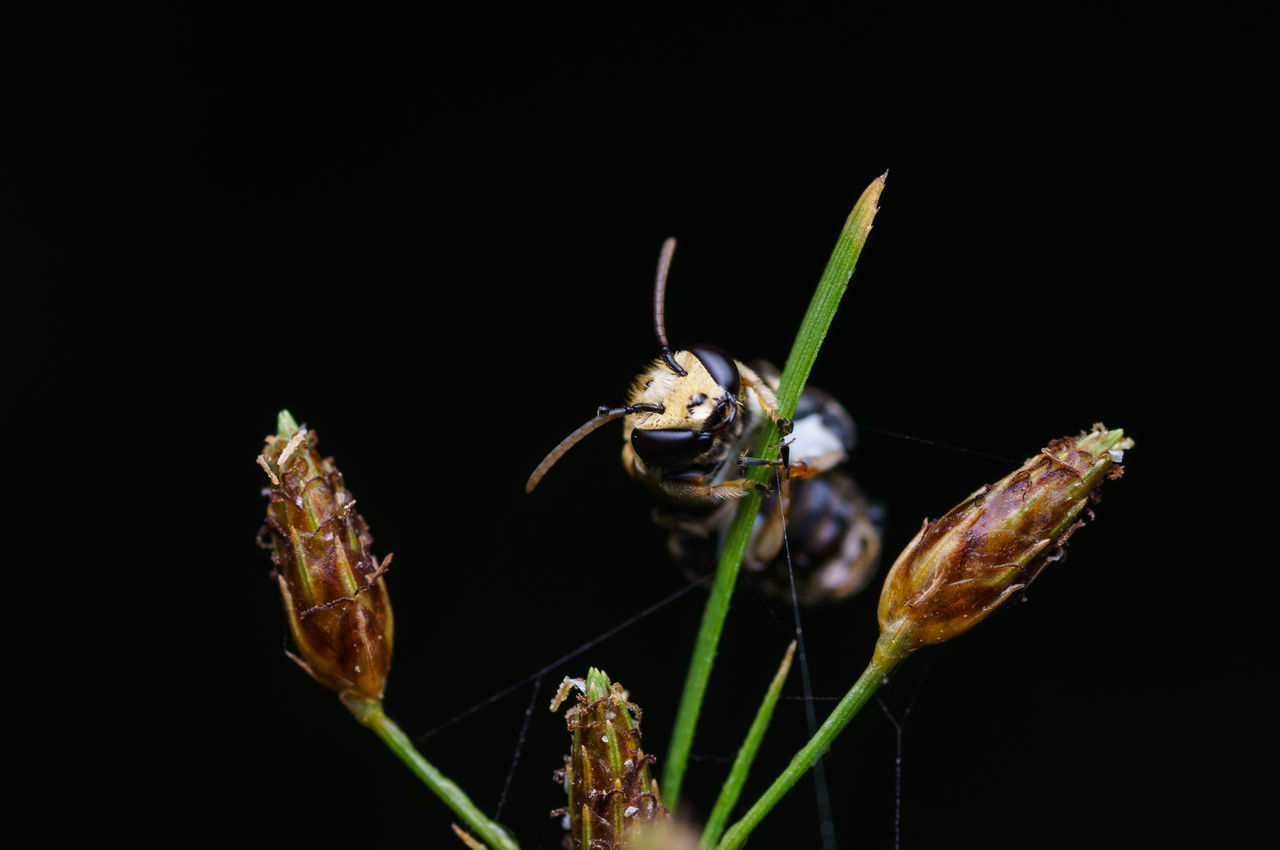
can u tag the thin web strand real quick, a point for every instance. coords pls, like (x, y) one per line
(822, 794)
(960, 449)
(537, 674)
(515, 758)
(899, 726)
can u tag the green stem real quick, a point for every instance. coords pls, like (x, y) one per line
(889, 651)
(370, 713)
(813, 329)
(732, 788)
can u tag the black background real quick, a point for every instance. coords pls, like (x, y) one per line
(431, 235)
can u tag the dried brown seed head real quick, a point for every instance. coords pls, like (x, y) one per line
(613, 799)
(334, 593)
(987, 549)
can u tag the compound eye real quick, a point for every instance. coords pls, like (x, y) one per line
(721, 366)
(669, 447)
(720, 417)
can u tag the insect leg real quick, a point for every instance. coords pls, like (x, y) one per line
(693, 491)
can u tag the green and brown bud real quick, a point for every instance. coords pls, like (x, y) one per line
(960, 568)
(613, 800)
(334, 593)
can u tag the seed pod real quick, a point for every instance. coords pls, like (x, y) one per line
(613, 801)
(960, 568)
(334, 594)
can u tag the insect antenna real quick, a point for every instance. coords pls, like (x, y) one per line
(660, 302)
(603, 415)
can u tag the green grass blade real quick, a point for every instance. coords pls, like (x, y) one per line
(813, 329)
(732, 788)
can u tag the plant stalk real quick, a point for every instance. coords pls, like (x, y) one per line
(732, 788)
(890, 650)
(813, 329)
(370, 713)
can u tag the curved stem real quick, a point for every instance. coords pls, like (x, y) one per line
(370, 713)
(884, 660)
(813, 329)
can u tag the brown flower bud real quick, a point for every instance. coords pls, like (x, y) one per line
(613, 801)
(960, 568)
(334, 594)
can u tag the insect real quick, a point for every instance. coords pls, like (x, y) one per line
(690, 418)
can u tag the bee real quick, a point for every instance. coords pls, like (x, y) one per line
(689, 421)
